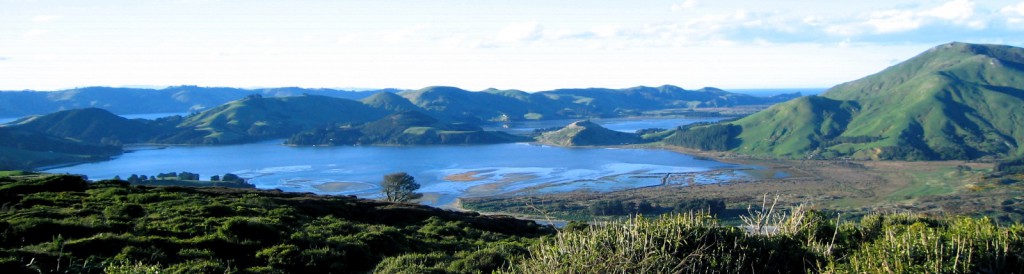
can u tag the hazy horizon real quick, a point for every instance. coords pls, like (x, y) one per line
(750, 91)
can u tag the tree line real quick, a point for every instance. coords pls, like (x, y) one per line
(182, 176)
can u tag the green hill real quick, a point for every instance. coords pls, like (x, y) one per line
(954, 101)
(256, 118)
(404, 128)
(93, 125)
(587, 133)
(391, 102)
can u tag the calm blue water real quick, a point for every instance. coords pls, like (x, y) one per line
(777, 91)
(618, 124)
(500, 169)
(485, 169)
(152, 116)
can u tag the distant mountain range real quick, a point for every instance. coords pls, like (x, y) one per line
(954, 101)
(178, 99)
(513, 105)
(454, 103)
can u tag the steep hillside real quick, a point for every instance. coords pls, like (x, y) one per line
(256, 117)
(954, 101)
(404, 128)
(587, 133)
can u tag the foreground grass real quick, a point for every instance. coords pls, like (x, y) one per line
(795, 242)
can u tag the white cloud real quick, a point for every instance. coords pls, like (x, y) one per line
(848, 29)
(956, 12)
(891, 21)
(685, 5)
(45, 18)
(462, 41)
(401, 35)
(813, 21)
(1014, 14)
(35, 33)
(521, 32)
(606, 31)
(1013, 10)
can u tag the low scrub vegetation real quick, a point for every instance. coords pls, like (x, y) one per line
(62, 223)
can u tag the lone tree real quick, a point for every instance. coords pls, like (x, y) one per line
(400, 187)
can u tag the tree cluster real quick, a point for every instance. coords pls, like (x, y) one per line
(719, 137)
(645, 131)
(182, 176)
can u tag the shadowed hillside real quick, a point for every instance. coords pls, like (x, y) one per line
(20, 149)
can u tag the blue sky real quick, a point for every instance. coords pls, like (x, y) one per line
(527, 45)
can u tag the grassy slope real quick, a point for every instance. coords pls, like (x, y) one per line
(61, 223)
(795, 127)
(954, 101)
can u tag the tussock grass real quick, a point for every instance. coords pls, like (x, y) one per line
(775, 240)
